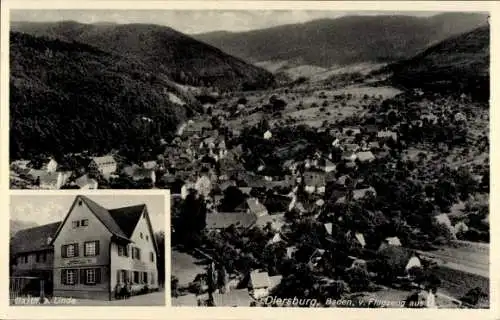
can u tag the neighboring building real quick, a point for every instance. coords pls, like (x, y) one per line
(256, 208)
(387, 135)
(350, 147)
(358, 194)
(85, 182)
(315, 181)
(349, 156)
(260, 283)
(390, 242)
(268, 135)
(400, 259)
(96, 250)
(138, 173)
(352, 130)
(103, 166)
(365, 156)
(150, 165)
(33, 254)
(223, 220)
(326, 165)
(49, 180)
(50, 165)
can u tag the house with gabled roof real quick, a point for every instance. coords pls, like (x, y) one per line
(103, 166)
(32, 252)
(365, 156)
(315, 180)
(223, 220)
(85, 182)
(97, 251)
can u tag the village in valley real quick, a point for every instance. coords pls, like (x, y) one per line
(343, 190)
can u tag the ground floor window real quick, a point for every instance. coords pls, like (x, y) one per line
(69, 276)
(88, 276)
(136, 277)
(121, 276)
(152, 278)
(145, 277)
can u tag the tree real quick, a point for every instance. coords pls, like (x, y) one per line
(473, 296)
(192, 219)
(160, 260)
(233, 197)
(358, 279)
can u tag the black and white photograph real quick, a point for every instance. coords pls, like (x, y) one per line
(315, 158)
(87, 250)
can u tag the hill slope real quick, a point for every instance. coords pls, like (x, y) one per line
(459, 63)
(343, 41)
(159, 48)
(70, 97)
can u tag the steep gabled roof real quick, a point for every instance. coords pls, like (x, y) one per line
(34, 239)
(103, 215)
(222, 220)
(104, 159)
(127, 218)
(118, 223)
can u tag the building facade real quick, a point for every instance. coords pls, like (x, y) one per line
(103, 166)
(96, 249)
(32, 254)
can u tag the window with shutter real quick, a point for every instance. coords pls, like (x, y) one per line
(64, 253)
(70, 250)
(83, 276)
(90, 276)
(69, 276)
(98, 275)
(91, 248)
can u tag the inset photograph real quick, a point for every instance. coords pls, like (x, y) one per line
(87, 250)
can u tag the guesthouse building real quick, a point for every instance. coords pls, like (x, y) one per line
(97, 251)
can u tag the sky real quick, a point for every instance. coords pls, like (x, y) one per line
(196, 21)
(43, 209)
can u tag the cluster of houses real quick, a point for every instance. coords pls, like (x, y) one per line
(51, 176)
(93, 253)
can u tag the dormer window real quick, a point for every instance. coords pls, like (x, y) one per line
(80, 202)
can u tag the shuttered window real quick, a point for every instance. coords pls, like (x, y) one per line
(122, 251)
(90, 276)
(91, 248)
(69, 250)
(69, 276)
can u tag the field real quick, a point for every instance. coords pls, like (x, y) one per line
(305, 105)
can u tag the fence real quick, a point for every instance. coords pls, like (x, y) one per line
(22, 287)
